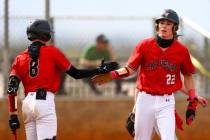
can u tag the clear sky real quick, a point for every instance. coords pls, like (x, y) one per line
(196, 10)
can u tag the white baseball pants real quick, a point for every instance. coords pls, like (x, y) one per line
(155, 111)
(39, 117)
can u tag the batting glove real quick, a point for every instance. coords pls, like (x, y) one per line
(130, 124)
(14, 123)
(107, 67)
(191, 108)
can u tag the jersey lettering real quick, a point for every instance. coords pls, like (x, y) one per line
(33, 68)
(170, 79)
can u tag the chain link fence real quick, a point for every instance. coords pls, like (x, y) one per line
(74, 33)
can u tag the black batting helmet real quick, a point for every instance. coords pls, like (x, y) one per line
(39, 29)
(171, 15)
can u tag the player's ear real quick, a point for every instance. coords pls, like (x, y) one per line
(156, 27)
(175, 28)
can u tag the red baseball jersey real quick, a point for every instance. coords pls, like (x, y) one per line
(160, 70)
(43, 73)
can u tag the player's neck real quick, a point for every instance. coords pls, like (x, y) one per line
(164, 43)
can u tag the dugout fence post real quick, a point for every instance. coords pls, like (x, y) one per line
(207, 64)
(5, 51)
(49, 18)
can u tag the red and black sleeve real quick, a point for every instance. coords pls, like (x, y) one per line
(12, 87)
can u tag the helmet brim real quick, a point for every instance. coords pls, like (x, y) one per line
(165, 18)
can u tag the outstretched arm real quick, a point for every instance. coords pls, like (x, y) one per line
(115, 74)
(132, 65)
(83, 73)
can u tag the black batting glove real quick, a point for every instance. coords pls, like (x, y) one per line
(14, 123)
(107, 67)
(130, 122)
(191, 109)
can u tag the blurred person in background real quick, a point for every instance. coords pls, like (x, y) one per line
(92, 57)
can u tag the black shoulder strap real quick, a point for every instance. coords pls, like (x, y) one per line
(34, 50)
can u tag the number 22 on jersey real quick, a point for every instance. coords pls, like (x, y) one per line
(33, 68)
(170, 79)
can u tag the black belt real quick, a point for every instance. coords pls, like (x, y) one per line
(41, 94)
(156, 94)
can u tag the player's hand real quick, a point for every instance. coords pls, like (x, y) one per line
(107, 67)
(191, 108)
(102, 78)
(202, 101)
(14, 123)
(130, 124)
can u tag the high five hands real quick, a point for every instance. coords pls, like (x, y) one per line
(105, 72)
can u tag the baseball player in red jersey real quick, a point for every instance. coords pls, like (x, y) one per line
(39, 68)
(162, 60)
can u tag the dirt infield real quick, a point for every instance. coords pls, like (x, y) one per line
(104, 119)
